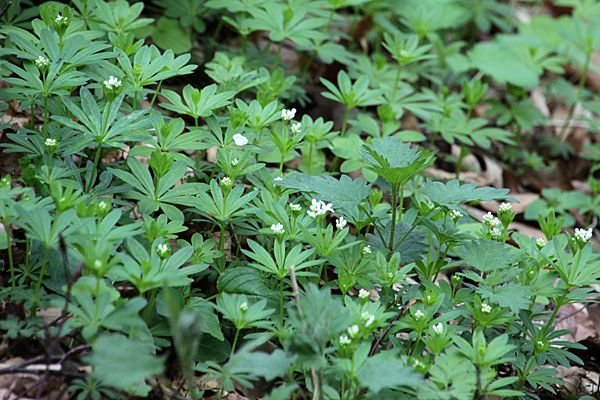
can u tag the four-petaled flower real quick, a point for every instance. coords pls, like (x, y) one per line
(340, 223)
(296, 127)
(235, 162)
(240, 140)
(486, 308)
(163, 250)
(288, 114)
(278, 228)
(112, 83)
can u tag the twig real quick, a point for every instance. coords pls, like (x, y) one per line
(5, 9)
(295, 290)
(573, 313)
(378, 341)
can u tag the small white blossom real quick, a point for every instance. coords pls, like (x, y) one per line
(490, 220)
(540, 242)
(163, 250)
(244, 307)
(296, 127)
(418, 315)
(42, 62)
(455, 214)
(340, 223)
(288, 114)
(363, 294)
(278, 228)
(439, 328)
(235, 162)
(366, 250)
(583, 235)
(103, 205)
(344, 340)
(540, 343)
(353, 330)
(226, 181)
(318, 207)
(112, 83)
(505, 207)
(278, 179)
(60, 19)
(418, 364)
(486, 308)
(296, 207)
(50, 142)
(370, 320)
(496, 233)
(240, 140)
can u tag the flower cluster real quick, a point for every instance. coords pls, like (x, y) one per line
(496, 233)
(438, 329)
(278, 228)
(288, 114)
(486, 308)
(296, 127)
(363, 294)
(490, 220)
(295, 207)
(366, 250)
(318, 207)
(163, 250)
(582, 235)
(61, 20)
(541, 242)
(455, 215)
(340, 223)
(112, 83)
(505, 207)
(367, 318)
(353, 330)
(42, 62)
(50, 142)
(226, 181)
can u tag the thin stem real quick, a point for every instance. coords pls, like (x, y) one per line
(42, 272)
(396, 81)
(281, 300)
(156, 93)
(45, 117)
(584, 72)
(235, 339)
(394, 206)
(277, 55)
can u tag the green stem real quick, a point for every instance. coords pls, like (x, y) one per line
(235, 339)
(150, 305)
(45, 117)
(318, 46)
(156, 93)
(584, 72)
(42, 272)
(281, 300)
(394, 206)
(135, 93)
(460, 159)
(396, 81)
(277, 56)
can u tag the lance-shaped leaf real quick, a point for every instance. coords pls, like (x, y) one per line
(344, 193)
(453, 192)
(395, 161)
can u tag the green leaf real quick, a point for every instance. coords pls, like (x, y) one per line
(170, 34)
(489, 255)
(122, 363)
(411, 246)
(512, 295)
(208, 316)
(263, 365)
(453, 192)
(394, 160)
(396, 374)
(504, 65)
(345, 193)
(242, 280)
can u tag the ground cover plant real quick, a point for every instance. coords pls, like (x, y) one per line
(280, 200)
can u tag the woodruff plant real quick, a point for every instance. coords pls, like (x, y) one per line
(304, 279)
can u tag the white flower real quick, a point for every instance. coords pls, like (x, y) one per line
(540, 242)
(418, 364)
(540, 343)
(353, 330)
(240, 140)
(295, 207)
(366, 250)
(163, 250)
(340, 223)
(226, 181)
(42, 62)
(344, 340)
(496, 233)
(112, 83)
(288, 114)
(418, 315)
(318, 207)
(278, 179)
(490, 220)
(370, 320)
(296, 127)
(363, 294)
(455, 214)
(244, 307)
(278, 228)
(438, 329)
(235, 162)
(486, 308)
(60, 19)
(103, 205)
(505, 207)
(50, 142)
(583, 235)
